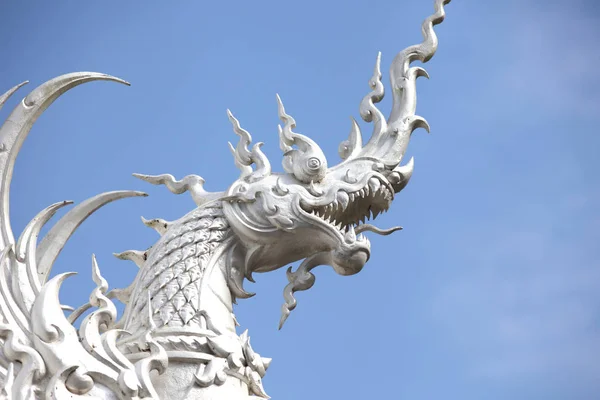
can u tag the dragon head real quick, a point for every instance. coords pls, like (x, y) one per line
(312, 210)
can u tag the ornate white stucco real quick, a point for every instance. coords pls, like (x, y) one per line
(177, 338)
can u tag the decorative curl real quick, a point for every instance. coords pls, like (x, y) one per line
(391, 145)
(368, 111)
(244, 158)
(190, 183)
(307, 162)
(301, 279)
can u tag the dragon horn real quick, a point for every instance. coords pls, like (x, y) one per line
(17, 126)
(390, 139)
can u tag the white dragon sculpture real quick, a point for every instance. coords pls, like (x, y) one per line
(177, 338)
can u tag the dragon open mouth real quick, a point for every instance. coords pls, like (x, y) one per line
(349, 211)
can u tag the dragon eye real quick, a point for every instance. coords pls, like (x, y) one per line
(313, 163)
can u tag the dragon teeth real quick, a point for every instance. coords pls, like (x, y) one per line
(343, 199)
(350, 236)
(374, 185)
(349, 202)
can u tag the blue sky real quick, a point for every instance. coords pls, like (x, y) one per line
(490, 292)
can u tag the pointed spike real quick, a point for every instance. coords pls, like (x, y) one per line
(138, 257)
(353, 145)
(97, 277)
(289, 123)
(266, 362)
(343, 199)
(419, 122)
(421, 72)
(280, 107)
(54, 241)
(400, 176)
(33, 228)
(350, 236)
(406, 169)
(377, 68)
(18, 125)
(374, 184)
(10, 92)
(158, 224)
(193, 184)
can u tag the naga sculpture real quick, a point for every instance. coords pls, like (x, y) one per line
(177, 338)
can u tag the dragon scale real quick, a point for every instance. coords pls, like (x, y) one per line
(175, 271)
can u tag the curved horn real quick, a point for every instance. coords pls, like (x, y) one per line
(17, 126)
(7, 95)
(54, 241)
(26, 270)
(351, 147)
